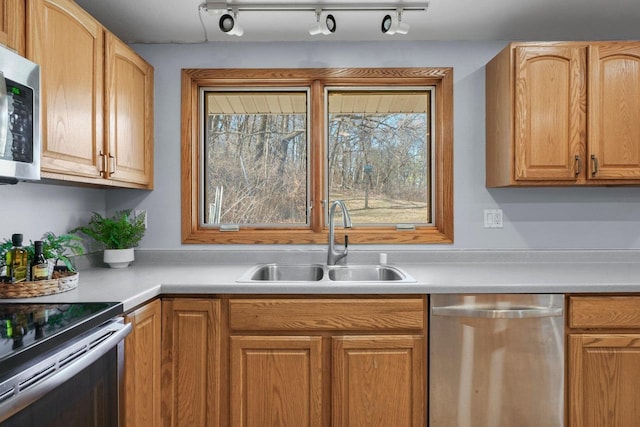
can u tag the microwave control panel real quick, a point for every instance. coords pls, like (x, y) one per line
(19, 144)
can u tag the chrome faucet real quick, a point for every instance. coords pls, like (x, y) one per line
(334, 256)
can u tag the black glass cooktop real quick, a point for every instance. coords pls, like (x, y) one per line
(28, 331)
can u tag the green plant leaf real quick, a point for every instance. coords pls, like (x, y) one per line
(121, 231)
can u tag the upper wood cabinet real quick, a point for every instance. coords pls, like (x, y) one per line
(129, 114)
(614, 111)
(97, 94)
(69, 46)
(539, 99)
(142, 367)
(12, 25)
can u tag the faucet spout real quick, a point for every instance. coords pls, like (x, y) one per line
(333, 255)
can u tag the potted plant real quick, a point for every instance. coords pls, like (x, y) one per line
(119, 234)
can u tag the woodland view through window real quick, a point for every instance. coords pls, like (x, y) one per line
(265, 152)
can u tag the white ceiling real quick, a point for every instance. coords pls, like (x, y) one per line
(178, 21)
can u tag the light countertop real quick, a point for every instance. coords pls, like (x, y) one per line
(154, 274)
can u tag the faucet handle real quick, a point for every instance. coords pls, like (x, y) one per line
(346, 241)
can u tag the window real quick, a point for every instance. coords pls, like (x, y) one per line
(255, 157)
(265, 152)
(379, 154)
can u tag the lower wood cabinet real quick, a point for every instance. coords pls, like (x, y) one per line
(378, 381)
(142, 367)
(191, 344)
(604, 375)
(604, 361)
(303, 362)
(276, 381)
(313, 362)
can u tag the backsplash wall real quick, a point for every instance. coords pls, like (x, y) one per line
(34, 208)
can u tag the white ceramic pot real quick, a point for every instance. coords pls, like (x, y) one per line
(118, 258)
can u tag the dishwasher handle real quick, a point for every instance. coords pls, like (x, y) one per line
(527, 312)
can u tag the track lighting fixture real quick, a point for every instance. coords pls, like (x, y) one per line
(325, 24)
(393, 26)
(229, 24)
(325, 21)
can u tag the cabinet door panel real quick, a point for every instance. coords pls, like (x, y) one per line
(614, 110)
(191, 362)
(550, 112)
(68, 45)
(378, 381)
(12, 25)
(129, 113)
(604, 373)
(276, 381)
(142, 367)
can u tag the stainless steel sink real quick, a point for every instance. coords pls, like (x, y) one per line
(316, 272)
(285, 273)
(365, 273)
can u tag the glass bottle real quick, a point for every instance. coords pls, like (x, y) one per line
(17, 262)
(39, 265)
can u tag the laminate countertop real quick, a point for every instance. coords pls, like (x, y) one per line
(461, 272)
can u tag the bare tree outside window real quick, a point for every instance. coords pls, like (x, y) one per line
(379, 155)
(255, 158)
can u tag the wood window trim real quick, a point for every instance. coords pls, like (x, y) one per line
(317, 79)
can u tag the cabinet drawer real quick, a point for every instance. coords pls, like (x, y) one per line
(326, 314)
(604, 312)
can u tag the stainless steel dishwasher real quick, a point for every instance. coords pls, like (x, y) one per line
(496, 360)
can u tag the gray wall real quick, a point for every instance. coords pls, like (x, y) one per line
(535, 218)
(34, 208)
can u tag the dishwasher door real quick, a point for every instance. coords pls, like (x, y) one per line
(496, 360)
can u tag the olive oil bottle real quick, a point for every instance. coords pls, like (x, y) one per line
(39, 266)
(17, 260)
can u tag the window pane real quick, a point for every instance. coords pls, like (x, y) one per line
(255, 158)
(379, 155)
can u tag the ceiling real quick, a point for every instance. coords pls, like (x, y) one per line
(178, 21)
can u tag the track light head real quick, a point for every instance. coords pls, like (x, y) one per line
(325, 24)
(393, 25)
(229, 24)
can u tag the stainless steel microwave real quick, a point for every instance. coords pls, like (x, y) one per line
(20, 127)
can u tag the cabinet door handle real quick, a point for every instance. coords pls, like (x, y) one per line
(112, 165)
(594, 160)
(102, 164)
(578, 165)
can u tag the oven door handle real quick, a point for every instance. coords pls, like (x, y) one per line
(33, 383)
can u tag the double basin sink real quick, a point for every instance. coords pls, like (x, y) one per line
(319, 272)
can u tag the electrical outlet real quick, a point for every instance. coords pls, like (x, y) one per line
(138, 212)
(493, 218)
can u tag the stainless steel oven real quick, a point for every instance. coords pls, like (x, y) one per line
(61, 365)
